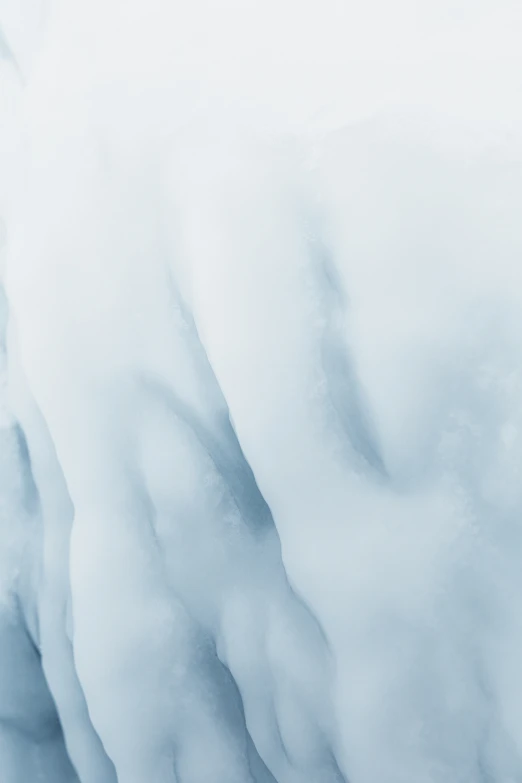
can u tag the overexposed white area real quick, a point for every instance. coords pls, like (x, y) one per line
(260, 391)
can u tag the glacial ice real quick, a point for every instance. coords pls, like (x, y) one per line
(260, 392)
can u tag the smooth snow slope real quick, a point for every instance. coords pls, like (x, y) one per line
(260, 491)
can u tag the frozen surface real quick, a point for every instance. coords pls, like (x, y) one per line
(260, 392)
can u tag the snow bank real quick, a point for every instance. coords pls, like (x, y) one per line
(264, 290)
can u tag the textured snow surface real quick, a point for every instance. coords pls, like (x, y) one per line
(260, 391)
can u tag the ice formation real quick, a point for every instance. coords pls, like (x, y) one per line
(260, 392)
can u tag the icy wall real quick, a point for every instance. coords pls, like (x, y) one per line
(260, 392)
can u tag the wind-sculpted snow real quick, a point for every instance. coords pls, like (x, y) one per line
(261, 412)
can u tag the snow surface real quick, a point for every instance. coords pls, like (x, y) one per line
(260, 391)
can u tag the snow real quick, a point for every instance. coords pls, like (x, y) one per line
(260, 393)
